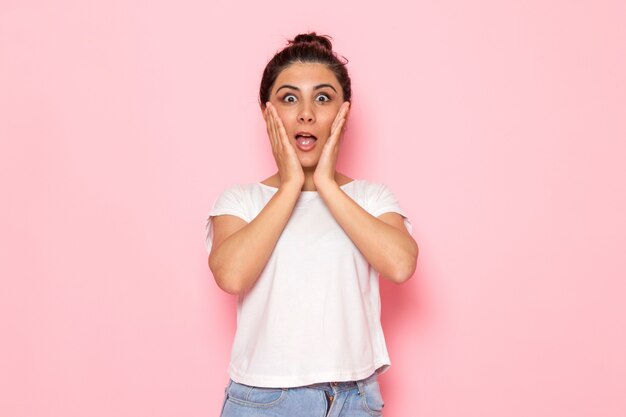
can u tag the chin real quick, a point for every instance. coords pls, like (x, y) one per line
(308, 163)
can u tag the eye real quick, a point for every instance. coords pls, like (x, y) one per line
(289, 98)
(325, 96)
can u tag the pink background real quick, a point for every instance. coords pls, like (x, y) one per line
(500, 127)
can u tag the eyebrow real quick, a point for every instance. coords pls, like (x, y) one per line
(317, 87)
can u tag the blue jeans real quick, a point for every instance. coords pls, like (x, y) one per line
(335, 399)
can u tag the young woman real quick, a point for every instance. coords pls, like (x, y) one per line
(302, 249)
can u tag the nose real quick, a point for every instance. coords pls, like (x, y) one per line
(305, 115)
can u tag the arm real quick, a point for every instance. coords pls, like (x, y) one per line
(384, 241)
(241, 250)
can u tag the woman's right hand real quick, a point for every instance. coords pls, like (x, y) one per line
(289, 167)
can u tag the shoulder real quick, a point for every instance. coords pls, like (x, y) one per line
(250, 197)
(366, 193)
(241, 189)
(377, 196)
(370, 189)
(236, 195)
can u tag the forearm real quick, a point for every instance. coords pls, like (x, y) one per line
(238, 261)
(389, 250)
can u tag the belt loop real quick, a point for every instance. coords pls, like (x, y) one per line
(361, 386)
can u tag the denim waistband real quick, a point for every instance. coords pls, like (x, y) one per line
(343, 385)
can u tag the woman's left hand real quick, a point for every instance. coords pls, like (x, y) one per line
(325, 171)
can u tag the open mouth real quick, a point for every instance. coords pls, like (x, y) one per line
(305, 141)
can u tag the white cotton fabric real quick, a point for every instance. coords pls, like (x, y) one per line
(313, 315)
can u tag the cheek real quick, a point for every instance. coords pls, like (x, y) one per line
(327, 120)
(286, 116)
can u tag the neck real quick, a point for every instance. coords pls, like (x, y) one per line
(309, 185)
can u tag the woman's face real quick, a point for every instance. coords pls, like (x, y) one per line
(307, 97)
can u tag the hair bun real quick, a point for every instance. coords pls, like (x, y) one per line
(312, 37)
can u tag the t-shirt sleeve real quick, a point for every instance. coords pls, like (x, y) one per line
(383, 201)
(230, 201)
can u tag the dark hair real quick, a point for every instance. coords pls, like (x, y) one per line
(305, 48)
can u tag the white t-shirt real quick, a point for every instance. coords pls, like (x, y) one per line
(313, 315)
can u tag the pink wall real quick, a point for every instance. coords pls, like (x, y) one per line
(500, 128)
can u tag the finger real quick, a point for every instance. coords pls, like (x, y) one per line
(346, 112)
(349, 108)
(267, 122)
(275, 134)
(345, 118)
(281, 135)
(270, 128)
(337, 134)
(338, 124)
(341, 113)
(342, 128)
(337, 116)
(282, 131)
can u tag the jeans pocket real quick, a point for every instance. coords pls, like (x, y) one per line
(252, 396)
(372, 398)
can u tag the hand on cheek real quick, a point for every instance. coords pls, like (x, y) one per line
(289, 167)
(325, 170)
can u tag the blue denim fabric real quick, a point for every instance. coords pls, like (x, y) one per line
(349, 399)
